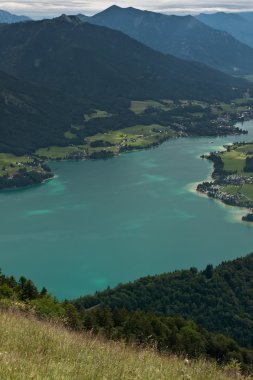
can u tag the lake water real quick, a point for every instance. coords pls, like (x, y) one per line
(99, 223)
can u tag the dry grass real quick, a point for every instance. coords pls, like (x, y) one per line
(31, 349)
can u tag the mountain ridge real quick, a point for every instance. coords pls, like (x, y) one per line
(9, 18)
(239, 25)
(72, 57)
(182, 36)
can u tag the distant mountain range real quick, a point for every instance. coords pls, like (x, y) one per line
(217, 40)
(182, 36)
(239, 25)
(9, 18)
(89, 61)
(67, 68)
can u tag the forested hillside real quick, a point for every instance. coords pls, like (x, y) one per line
(64, 74)
(166, 335)
(219, 299)
(182, 36)
(93, 62)
(30, 116)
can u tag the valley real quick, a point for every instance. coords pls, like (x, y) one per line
(112, 96)
(126, 170)
(170, 120)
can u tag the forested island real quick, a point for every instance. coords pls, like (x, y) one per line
(232, 177)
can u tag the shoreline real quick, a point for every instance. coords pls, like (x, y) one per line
(102, 154)
(219, 185)
(236, 213)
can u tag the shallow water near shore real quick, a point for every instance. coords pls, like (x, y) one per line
(98, 223)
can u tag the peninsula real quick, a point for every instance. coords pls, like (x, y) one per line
(232, 177)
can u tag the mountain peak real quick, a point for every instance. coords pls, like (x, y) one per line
(114, 6)
(186, 37)
(70, 19)
(116, 9)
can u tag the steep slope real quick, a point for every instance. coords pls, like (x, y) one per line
(181, 36)
(40, 350)
(30, 116)
(9, 18)
(238, 25)
(218, 299)
(163, 334)
(89, 61)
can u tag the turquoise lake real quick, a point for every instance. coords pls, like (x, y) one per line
(99, 223)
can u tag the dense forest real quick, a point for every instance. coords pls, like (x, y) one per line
(165, 334)
(219, 299)
(30, 116)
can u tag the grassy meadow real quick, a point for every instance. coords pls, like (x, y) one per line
(10, 164)
(32, 349)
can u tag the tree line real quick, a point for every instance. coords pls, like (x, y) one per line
(166, 334)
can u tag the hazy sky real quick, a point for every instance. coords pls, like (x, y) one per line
(42, 8)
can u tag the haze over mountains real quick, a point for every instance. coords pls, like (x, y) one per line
(239, 25)
(217, 40)
(9, 18)
(94, 62)
(182, 36)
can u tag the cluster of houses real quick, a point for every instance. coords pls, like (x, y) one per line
(237, 180)
(214, 191)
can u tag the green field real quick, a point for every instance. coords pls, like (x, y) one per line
(140, 106)
(70, 135)
(231, 189)
(10, 164)
(135, 137)
(97, 114)
(237, 106)
(58, 152)
(245, 148)
(234, 161)
(71, 151)
(246, 190)
(139, 136)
